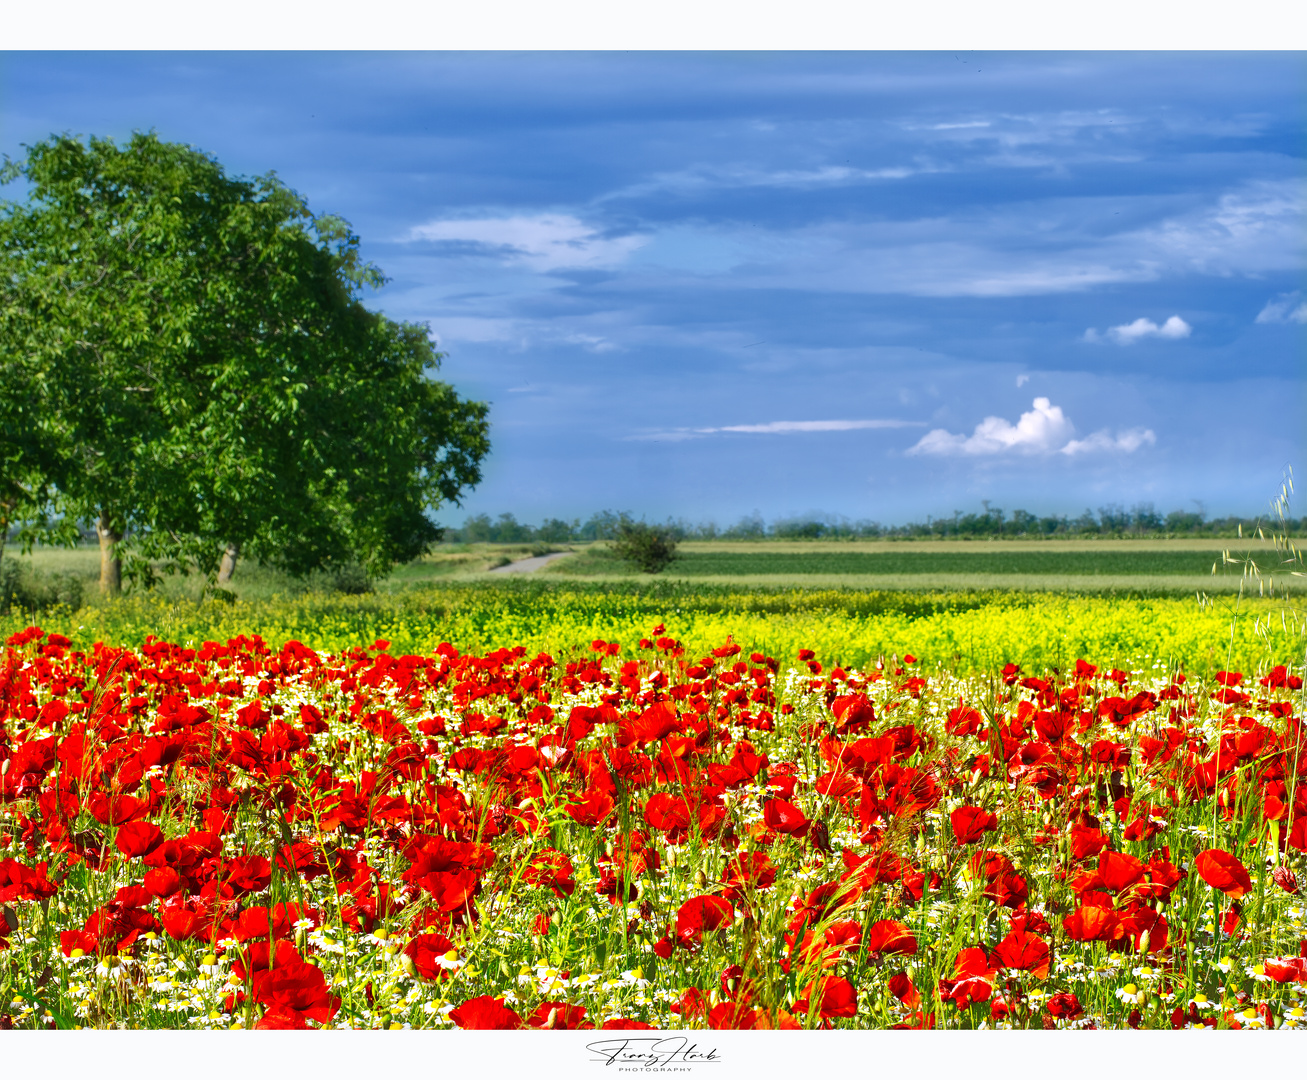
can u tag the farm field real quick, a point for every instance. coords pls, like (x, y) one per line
(1160, 566)
(640, 835)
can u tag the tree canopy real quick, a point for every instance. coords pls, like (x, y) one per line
(207, 377)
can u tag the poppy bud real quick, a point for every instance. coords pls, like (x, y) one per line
(700, 879)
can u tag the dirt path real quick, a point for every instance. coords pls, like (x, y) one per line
(530, 566)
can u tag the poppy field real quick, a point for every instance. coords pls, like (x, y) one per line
(634, 834)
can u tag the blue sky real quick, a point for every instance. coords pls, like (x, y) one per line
(881, 285)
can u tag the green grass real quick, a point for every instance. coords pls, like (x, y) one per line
(260, 583)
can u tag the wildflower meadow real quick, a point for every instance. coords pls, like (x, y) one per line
(650, 831)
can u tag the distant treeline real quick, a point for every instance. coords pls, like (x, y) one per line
(1110, 521)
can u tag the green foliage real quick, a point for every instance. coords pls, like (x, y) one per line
(1113, 522)
(207, 373)
(649, 548)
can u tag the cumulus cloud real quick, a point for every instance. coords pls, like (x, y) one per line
(542, 241)
(777, 427)
(1127, 334)
(1042, 431)
(1287, 307)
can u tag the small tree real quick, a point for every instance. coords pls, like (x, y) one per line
(650, 548)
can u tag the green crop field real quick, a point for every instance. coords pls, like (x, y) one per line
(1156, 566)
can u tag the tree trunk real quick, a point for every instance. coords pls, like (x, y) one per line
(111, 565)
(228, 566)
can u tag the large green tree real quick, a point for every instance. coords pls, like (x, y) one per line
(213, 384)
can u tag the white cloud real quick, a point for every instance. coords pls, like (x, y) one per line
(591, 342)
(1049, 246)
(1127, 442)
(1287, 307)
(543, 241)
(1250, 231)
(704, 177)
(1174, 328)
(787, 427)
(1022, 380)
(465, 328)
(776, 427)
(1042, 431)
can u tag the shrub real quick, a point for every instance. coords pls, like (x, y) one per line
(650, 548)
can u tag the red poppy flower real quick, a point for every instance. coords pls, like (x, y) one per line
(853, 712)
(889, 936)
(655, 723)
(1090, 923)
(138, 838)
(732, 1016)
(847, 934)
(902, 988)
(973, 979)
(78, 939)
(486, 1013)
(424, 950)
(622, 1024)
(1223, 871)
(248, 873)
(558, 1016)
(1086, 841)
(1288, 970)
(1065, 1006)
(1008, 889)
(692, 1003)
(749, 869)
(291, 983)
(834, 997)
(1023, 951)
(19, 882)
(183, 920)
(667, 812)
(701, 913)
(116, 811)
(552, 869)
(1119, 871)
(282, 1018)
(970, 823)
(784, 817)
